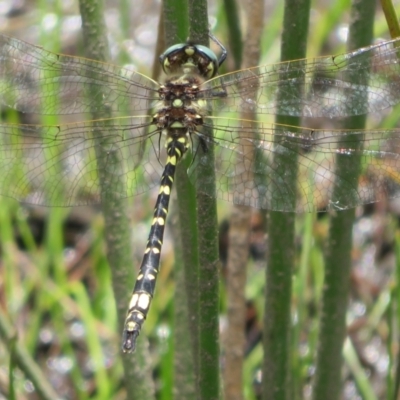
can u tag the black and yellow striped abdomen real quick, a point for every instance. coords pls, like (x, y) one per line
(177, 144)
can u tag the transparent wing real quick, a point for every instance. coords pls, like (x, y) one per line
(38, 81)
(249, 173)
(323, 82)
(57, 165)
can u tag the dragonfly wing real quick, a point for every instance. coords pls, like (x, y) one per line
(252, 162)
(57, 165)
(318, 87)
(33, 80)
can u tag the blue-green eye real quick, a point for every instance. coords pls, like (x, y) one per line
(170, 50)
(208, 53)
(183, 58)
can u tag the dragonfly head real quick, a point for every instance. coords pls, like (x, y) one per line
(189, 59)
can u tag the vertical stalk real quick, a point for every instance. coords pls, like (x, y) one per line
(137, 368)
(207, 224)
(276, 333)
(328, 383)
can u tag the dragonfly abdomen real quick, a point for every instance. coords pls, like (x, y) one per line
(177, 145)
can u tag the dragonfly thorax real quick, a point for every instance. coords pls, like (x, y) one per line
(186, 117)
(179, 104)
(184, 88)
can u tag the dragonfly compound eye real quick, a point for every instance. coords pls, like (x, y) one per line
(189, 59)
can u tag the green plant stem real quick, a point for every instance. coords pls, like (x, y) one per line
(207, 223)
(391, 18)
(187, 360)
(235, 33)
(276, 333)
(137, 368)
(328, 382)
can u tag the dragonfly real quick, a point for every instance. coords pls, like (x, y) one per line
(191, 110)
